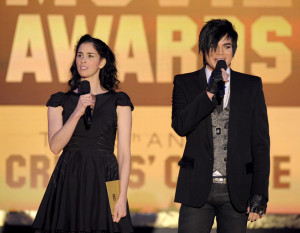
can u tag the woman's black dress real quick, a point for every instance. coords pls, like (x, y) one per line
(76, 197)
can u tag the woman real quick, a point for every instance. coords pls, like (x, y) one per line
(76, 197)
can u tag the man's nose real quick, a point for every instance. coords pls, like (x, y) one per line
(219, 50)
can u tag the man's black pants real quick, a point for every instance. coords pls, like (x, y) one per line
(200, 220)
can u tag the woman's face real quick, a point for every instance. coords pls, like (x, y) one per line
(88, 61)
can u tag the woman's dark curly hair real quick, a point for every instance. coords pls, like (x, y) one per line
(107, 75)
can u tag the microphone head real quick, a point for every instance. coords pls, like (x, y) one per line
(84, 87)
(221, 64)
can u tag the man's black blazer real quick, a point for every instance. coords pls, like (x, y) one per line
(248, 150)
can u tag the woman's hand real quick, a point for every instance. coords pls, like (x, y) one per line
(120, 210)
(83, 102)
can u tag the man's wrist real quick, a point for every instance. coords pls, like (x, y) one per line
(210, 95)
(258, 204)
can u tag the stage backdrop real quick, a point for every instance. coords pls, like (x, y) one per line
(153, 40)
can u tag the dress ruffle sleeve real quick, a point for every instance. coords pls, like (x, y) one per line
(56, 99)
(124, 100)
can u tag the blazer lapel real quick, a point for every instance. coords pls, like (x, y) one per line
(201, 77)
(207, 121)
(233, 114)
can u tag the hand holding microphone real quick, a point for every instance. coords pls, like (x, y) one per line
(216, 82)
(215, 79)
(86, 100)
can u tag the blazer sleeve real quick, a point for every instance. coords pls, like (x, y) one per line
(260, 145)
(187, 115)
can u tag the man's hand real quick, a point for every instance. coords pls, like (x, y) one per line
(257, 207)
(216, 78)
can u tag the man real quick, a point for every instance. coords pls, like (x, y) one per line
(224, 170)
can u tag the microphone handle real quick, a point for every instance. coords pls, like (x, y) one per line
(88, 116)
(221, 89)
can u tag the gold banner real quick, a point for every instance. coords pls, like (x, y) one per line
(26, 162)
(153, 41)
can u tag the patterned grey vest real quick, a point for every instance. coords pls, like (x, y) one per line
(220, 138)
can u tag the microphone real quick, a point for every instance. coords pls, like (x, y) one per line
(85, 88)
(221, 64)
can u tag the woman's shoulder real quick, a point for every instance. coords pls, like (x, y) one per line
(122, 94)
(122, 99)
(56, 99)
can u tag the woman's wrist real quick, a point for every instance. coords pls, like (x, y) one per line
(76, 115)
(123, 196)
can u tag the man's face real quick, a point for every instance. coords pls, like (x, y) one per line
(223, 52)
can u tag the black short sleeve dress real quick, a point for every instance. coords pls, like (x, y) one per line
(76, 197)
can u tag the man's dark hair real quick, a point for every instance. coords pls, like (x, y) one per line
(212, 32)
